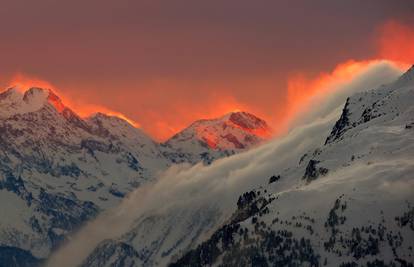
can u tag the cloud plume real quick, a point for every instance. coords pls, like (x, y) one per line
(166, 65)
(220, 184)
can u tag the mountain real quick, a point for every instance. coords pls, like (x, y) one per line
(335, 192)
(363, 214)
(59, 170)
(13, 102)
(206, 140)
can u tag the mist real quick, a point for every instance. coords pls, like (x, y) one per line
(218, 186)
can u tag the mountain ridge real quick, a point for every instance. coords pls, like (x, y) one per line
(343, 200)
(37, 97)
(226, 135)
(60, 170)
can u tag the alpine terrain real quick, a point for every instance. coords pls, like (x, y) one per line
(207, 140)
(335, 192)
(58, 170)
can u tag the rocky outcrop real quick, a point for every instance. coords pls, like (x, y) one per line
(16, 257)
(115, 254)
(340, 125)
(313, 171)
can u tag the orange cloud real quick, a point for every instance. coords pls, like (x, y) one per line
(165, 106)
(169, 117)
(302, 91)
(162, 124)
(396, 42)
(24, 82)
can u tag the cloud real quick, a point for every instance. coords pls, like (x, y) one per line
(164, 113)
(165, 65)
(396, 42)
(24, 82)
(188, 189)
(304, 94)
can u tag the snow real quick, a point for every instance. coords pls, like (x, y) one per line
(90, 163)
(13, 102)
(368, 166)
(54, 161)
(214, 138)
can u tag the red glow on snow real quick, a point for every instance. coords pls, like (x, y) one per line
(186, 113)
(87, 110)
(60, 101)
(212, 144)
(56, 102)
(212, 131)
(250, 123)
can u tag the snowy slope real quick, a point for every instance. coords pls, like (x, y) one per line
(58, 170)
(211, 139)
(340, 193)
(353, 203)
(13, 102)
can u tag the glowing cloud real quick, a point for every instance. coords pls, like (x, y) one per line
(186, 113)
(60, 100)
(304, 94)
(168, 105)
(184, 188)
(396, 42)
(23, 82)
(301, 93)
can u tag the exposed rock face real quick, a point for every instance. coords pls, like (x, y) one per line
(313, 171)
(274, 179)
(116, 254)
(340, 125)
(16, 257)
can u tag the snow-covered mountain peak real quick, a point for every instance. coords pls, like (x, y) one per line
(233, 132)
(117, 126)
(36, 96)
(58, 169)
(35, 93)
(111, 119)
(13, 101)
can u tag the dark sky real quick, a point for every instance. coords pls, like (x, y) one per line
(166, 63)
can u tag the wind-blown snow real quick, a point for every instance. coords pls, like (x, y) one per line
(61, 170)
(188, 203)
